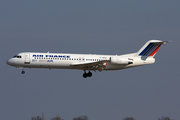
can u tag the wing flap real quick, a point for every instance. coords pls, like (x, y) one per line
(89, 63)
(98, 65)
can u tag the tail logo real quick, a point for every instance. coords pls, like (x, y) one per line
(150, 50)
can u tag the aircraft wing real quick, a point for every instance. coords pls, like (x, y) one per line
(97, 65)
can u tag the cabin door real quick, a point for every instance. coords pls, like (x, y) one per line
(27, 58)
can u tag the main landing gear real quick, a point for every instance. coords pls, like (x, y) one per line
(85, 75)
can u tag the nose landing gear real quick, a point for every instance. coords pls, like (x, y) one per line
(85, 75)
(23, 72)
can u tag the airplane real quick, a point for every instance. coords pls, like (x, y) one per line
(87, 62)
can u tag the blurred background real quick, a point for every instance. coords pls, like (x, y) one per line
(90, 27)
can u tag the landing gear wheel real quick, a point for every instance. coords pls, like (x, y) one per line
(23, 72)
(89, 74)
(85, 75)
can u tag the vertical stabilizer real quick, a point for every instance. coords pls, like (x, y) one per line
(150, 48)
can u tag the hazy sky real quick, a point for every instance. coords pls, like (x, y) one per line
(98, 27)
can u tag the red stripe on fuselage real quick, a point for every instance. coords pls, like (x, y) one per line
(152, 54)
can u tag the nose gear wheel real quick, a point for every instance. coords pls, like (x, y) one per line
(23, 72)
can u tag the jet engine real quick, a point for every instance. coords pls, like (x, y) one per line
(120, 61)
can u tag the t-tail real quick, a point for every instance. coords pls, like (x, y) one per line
(150, 48)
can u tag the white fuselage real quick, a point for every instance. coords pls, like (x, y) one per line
(74, 61)
(89, 62)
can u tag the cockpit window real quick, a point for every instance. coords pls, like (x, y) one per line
(17, 56)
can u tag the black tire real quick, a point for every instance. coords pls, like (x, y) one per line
(23, 72)
(85, 75)
(89, 74)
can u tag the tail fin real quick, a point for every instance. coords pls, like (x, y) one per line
(150, 48)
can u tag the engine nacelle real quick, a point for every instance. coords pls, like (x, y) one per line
(120, 60)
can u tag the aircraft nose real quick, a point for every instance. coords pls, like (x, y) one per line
(9, 62)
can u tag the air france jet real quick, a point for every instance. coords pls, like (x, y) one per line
(87, 62)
